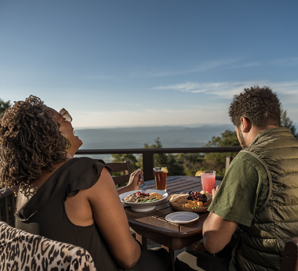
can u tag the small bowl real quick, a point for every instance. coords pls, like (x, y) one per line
(143, 206)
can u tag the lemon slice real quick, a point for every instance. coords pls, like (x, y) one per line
(199, 173)
(164, 170)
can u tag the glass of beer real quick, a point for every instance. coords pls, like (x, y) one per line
(160, 176)
(208, 180)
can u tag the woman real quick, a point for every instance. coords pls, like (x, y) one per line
(74, 143)
(72, 200)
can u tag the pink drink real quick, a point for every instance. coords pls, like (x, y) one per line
(208, 181)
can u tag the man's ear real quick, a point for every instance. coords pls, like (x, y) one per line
(246, 125)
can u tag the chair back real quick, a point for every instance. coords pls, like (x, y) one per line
(120, 167)
(20, 250)
(7, 206)
(290, 259)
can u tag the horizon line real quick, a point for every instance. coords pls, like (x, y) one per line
(195, 125)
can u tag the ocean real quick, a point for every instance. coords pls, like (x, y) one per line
(136, 137)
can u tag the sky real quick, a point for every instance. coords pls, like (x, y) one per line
(122, 63)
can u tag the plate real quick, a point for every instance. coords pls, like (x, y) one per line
(182, 217)
(143, 206)
(195, 210)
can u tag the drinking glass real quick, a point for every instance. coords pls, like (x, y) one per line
(208, 180)
(160, 178)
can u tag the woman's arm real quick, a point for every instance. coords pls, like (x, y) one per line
(134, 182)
(110, 217)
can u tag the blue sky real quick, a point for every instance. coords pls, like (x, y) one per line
(159, 62)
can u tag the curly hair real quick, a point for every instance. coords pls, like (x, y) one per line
(259, 105)
(30, 142)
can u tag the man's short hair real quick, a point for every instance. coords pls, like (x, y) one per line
(259, 105)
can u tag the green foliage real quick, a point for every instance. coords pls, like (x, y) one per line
(217, 161)
(166, 160)
(288, 123)
(4, 106)
(191, 162)
(120, 158)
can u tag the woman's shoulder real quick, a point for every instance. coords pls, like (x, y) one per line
(87, 161)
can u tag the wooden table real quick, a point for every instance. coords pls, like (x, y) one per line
(152, 225)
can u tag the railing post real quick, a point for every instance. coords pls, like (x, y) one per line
(228, 161)
(148, 164)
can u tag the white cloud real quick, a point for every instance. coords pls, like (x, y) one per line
(199, 68)
(196, 68)
(228, 89)
(288, 62)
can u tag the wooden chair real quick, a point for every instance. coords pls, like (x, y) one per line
(290, 259)
(120, 167)
(7, 206)
(20, 250)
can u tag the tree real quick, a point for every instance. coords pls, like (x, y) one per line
(191, 162)
(217, 161)
(4, 106)
(120, 158)
(164, 160)
(287, 122)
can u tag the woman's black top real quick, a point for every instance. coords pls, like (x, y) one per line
(44, 214)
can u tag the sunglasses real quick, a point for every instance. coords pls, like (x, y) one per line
(64, 113)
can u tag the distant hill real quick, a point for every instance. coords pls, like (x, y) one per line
(136, 137)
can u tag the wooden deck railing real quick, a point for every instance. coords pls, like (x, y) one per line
(7, 198)
(148, 154)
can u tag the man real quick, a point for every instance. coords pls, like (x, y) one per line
(258, 195)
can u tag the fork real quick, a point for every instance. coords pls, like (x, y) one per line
(143, 185)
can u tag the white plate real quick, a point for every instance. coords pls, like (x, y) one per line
(143, 206)
(182, 217)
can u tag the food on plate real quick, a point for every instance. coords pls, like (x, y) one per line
(178, 197)
(139, 197)
(156, 195)
(199, 173)
(191, 200)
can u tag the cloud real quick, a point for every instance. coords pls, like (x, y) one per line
(288, 62)
(187, 114)
(228, 89)
(218, 88)
(199, 68)
(247, 65)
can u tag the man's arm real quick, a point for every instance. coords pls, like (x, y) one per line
(217, 232)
